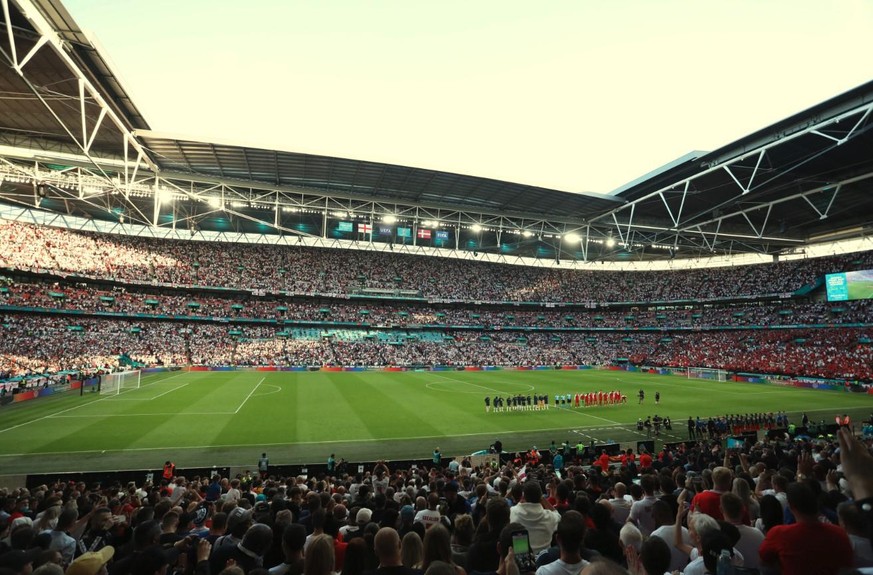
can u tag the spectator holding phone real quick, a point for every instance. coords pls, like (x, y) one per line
(537, 515)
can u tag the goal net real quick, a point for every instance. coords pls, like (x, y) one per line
(707, 373)
(115, 383)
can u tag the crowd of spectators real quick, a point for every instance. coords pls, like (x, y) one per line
(306, 270)
(250, 327)
(84, 297)
(791, 506)
(40, 344)
(833, 353)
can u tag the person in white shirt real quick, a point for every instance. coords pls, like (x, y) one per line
(620, 503)
(699, 524)
(570, 533)
(60, 538)
(780, 485)
(537, 515)
(430, 516)
(641, 511)
(750, 538)
(631, 541)
(852, 521)
(178, 491)
(666, 526)
(233, 494)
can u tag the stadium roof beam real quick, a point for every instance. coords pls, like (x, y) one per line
(95, 116)
(82, 134)
(746, 171)
(79, 184)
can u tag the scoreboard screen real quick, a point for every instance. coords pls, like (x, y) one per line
(847, 286)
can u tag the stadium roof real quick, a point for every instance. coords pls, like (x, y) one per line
(73, 141)
(367, 180)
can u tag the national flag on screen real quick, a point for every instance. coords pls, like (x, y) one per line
(442, 235)
(404, 232)
(423, 234)
(365, 229)
(385, 230)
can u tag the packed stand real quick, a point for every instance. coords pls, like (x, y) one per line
(41, 344)
(307, 271)
(87, 298)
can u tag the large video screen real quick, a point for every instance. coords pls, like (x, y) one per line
(849, 285)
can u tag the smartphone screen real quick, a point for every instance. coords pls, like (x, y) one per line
(734, 443)
(521, 547)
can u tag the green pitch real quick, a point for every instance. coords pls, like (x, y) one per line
(861, 289)
(229, 418)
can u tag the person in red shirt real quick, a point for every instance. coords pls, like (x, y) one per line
(645, 460)
(807, 546)
(603, 461)
(709, 501)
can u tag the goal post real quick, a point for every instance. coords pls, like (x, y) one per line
(707, 373)
(115, 383)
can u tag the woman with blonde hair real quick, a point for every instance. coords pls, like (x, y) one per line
(48, 519)
(411, 550)
(741, 487)
(320, 558)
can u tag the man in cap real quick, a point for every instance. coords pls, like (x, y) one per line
(362, 518)
(238, 522)
(92, 562)
(407, 517)
(248, 554)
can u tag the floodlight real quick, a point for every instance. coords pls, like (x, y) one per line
(164, 196)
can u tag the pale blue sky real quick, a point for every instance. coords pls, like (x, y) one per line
(579, 96)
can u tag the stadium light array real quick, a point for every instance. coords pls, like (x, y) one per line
(573, 238)
(164, 196)
(389, 218)
(476, 228)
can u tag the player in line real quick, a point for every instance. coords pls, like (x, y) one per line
(519, 402)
